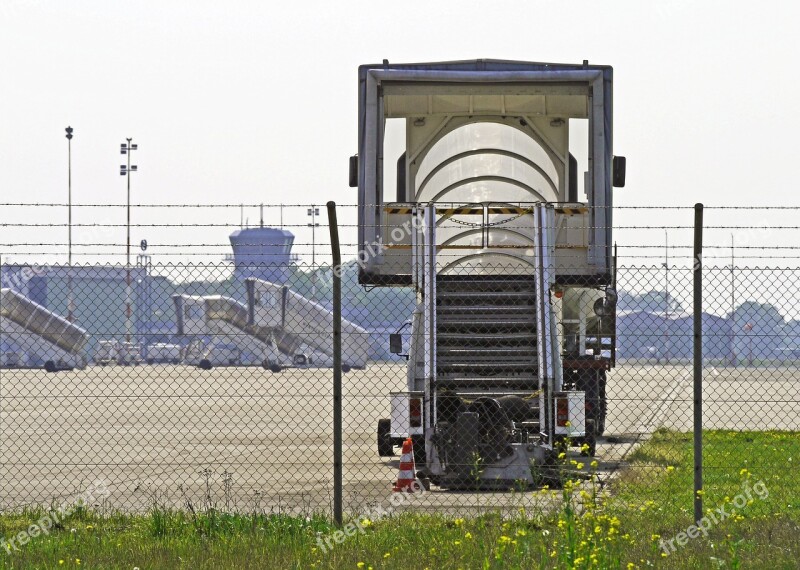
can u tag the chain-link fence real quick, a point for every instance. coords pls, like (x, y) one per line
(195, 368)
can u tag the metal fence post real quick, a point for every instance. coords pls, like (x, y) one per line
(698, 361)
(337, 363)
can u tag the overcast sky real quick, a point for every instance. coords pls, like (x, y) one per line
(256, 102)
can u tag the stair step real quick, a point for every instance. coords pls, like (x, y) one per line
(487, 339)
(485, 309)
(483, 351)
(488, 381)
(470, 320)
(485, 368)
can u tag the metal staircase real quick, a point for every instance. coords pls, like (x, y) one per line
(486, 332)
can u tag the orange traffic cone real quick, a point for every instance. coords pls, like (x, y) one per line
(406, 478)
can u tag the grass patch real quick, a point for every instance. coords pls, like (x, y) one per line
(621, 527)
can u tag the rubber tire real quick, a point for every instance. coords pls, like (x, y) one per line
(205, 364)
(345, 368)
(150, 361)
(593, 383)
(601, 420)
(385, 445)
(274, 368)
(50, 366)
(419, 451)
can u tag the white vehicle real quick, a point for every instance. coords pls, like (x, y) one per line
(163, 353)
(116, 352)
(514, 274)
(105, 352)
(207, 355)
(38, 336)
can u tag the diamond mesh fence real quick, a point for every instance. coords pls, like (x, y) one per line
(174, 376)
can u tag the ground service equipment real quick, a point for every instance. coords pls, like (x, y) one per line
(508, 249)
(36, 336)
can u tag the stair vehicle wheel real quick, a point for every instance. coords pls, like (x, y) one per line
(419, 450)
(50, 366)
(205, 364)
(385, 445)
(593, 382)
(345, 368)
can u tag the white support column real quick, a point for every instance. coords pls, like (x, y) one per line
(548, 351)
(428, 274)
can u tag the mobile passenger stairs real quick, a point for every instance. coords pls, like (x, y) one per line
(513, 331)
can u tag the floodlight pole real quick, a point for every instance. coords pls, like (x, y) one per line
(313, 211)
(666, 298)
(734, 358)
(70, 302)
(126, 170)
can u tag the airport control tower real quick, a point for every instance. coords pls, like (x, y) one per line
(264, 253)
